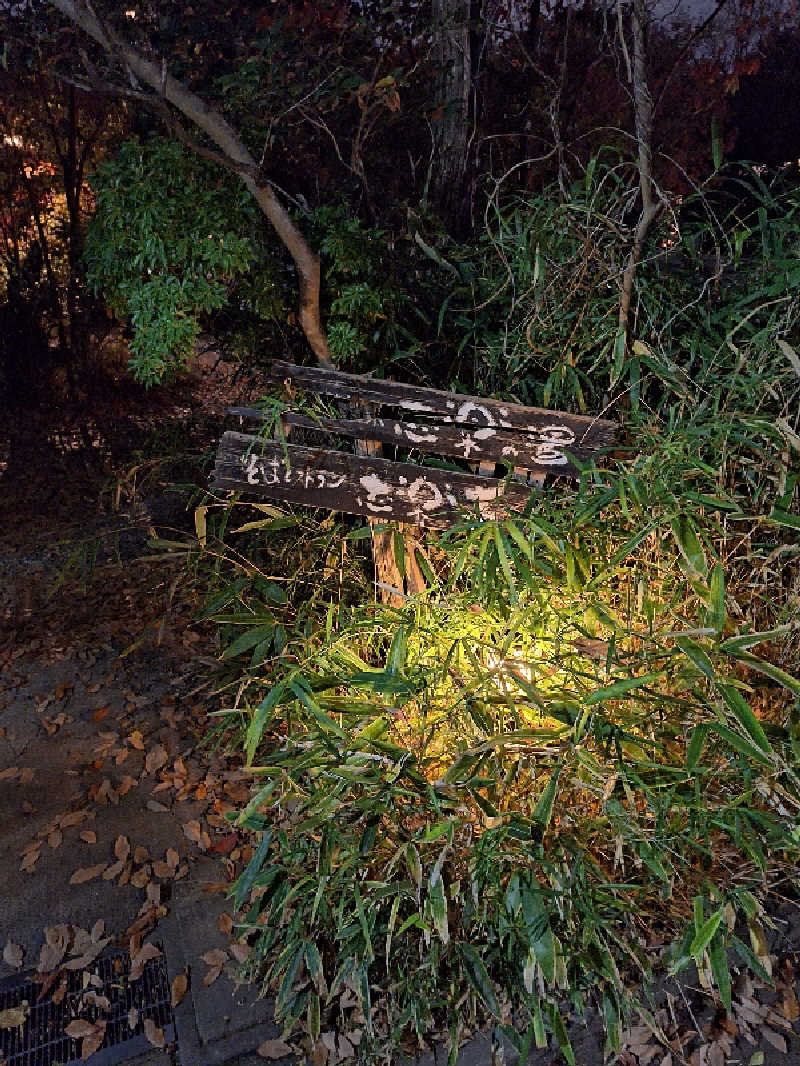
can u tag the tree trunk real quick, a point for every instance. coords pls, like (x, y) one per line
(452, 56)
(643, 120)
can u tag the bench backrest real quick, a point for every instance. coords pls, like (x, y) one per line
(530, 441)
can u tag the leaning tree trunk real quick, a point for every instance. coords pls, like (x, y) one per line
(451, 131)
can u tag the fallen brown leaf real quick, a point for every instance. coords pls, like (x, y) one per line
(92, 1041)
(122, 848)
(87, 873)
(136, 740)
(55, 838)
(54, 948)
(154, 1035)
(100, 714)
(140, 854)
(225, 923)
(240, 951)
(97, 930)
(162, 869)
(127, 784)
(155, 759)
(30, 860)
(141, 877)
(172, 858)
(138, 961)
(179, 986)
(73, 818)
(13, 1017)
(12, 955)
(89, 836)
(790, 1007)
(154, 805)
(111, 872)
(274, 1049)
(79, 1028)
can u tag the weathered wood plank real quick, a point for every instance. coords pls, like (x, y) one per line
(592, 433)
(364, 485)
(543, 449)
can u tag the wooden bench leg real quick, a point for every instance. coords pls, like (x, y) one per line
(387, 573)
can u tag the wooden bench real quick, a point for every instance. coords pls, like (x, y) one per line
(482, 434)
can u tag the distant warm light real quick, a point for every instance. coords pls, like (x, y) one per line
(130, 14)
(13, 140)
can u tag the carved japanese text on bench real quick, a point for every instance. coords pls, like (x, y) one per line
(365, 485)
(445, 424)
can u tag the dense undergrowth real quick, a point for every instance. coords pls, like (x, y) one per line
(575, 761)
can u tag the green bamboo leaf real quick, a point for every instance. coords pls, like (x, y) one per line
(262, 715)
(366, 997)
(548, 535)
(697, 655)
(519, 537)
(247, 640)
(690, 547)
(784, 518)
(438, 904)
(285, 991)
(718, 957)
(505, 565)
(738, 743)
(695, 747)
(747, 956)
(414, 866)
(717, 602)
(770, 670)
(619, 688)
(321, 718)
(362, 921)
(398, 652)
(312, 1018)
(390, 928)
(705, 934)
(734, 645)
(539, 1034)
(315, 969)
(477, 975)
(543, 811)
(257, 800)
(560, 1033)
(743, 714)
(247, 878)
(399, 550)
(425, 567)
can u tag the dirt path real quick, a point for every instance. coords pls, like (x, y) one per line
(112, 813)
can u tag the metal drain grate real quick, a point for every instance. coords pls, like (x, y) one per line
(41, 1041)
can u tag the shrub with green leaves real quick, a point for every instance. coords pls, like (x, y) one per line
(168, 237)
(467, 810)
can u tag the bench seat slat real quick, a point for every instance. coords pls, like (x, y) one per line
(543, 449)
(592, 433)
(363, 485)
